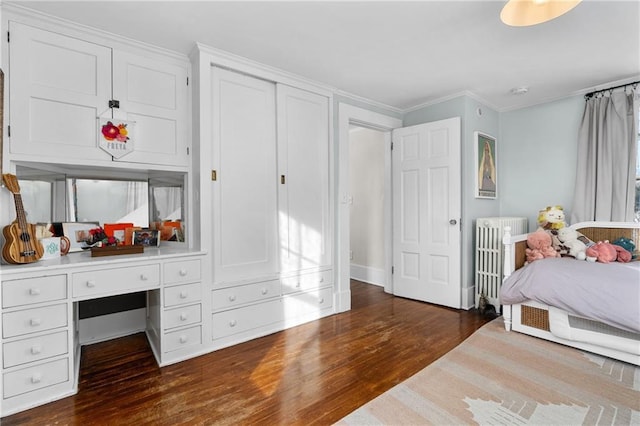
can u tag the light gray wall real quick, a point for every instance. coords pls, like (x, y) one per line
(537, 152)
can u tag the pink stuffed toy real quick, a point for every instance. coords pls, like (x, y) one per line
(605, 252)
(539, 246)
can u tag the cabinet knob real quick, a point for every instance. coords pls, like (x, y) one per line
(232, 323)
(184, 294)
(232, 298)
(91, 283)
(321, 279)
(183, 339)
(321, 301)
(35, 322)
(143, 277)
(183, 272)
(298, 284)
(265, 291)
(34, 291)
(36, 349)
(183, 317)
(36, 378)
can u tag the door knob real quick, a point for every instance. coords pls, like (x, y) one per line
(453, 222)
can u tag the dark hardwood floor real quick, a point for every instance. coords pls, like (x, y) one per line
(315, 373)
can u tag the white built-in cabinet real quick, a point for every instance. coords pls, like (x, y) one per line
(59, 85)
(270, 206)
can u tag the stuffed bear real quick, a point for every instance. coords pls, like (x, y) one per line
(539, 246)
(605, 252)
(574, 247)
(626, 244)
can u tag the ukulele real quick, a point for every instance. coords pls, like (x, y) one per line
(20, 244)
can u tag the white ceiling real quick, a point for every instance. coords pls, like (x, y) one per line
(400, 54)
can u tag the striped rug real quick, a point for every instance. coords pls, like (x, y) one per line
(507, 378)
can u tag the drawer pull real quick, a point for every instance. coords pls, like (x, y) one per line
(35, 322)
(183, 317)
(265, 291)
(183, 272)
(34, 291)
(35, 350)
(232, 323)
(91, 283)
(183, 339)
(321, 280)
(184, 294)
(143, 277)
(232, 298)
(36, 378)
(298, 284)
(321, 300)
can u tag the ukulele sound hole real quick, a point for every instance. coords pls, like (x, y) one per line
(25, 237)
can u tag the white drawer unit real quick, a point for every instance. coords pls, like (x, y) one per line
(181, 272)
(33, 320)
(184, 315)
(33, 290)
(183, 338)
(35, 377)
(115, 281)
(179, 295)
(34, 349)
(306, 281)
(235, 296)
(246, 318)
(310, 303)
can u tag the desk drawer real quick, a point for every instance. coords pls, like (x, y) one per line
(33, 290)
(108, 281)
(182, 294)
(184, 315)
(307, 281)
(182, 272)
(183, 338)
(32, 320)
(36, 377)
(239, 320)
(34, 349)
(235, 296)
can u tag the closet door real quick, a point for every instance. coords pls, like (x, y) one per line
(244, 197)
(303, 158)
(58, 87)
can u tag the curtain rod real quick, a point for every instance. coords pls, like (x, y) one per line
(591, 94)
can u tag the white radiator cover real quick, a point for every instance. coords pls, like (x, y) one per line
(490, 253)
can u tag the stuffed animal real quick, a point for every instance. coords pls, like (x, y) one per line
(571, 244)
(626, 244)
(605, 252)
(539, 246)
(551, 218)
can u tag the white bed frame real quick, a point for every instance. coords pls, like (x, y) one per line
(553, 324)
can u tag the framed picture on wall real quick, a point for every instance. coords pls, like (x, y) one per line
(486, 166)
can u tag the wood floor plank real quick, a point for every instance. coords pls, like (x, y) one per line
(315, 373)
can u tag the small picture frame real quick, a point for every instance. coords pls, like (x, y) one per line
(486, 166)
(78, 233)
(146, 237)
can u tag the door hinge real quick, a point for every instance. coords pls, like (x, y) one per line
(187, 81)
(187, 150)
(8, 37)
(391, 146)
(214, 175)
(282, 179)
(114, 103)
(9, 131)
(393, 269)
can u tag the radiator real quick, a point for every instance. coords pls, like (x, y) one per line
(490, 253)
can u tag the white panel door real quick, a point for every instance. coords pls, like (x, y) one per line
(426, 212)
(58, 87)
(244, 207)
(303, 158)
(154, 95)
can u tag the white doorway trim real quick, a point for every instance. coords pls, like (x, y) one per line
(352, 115)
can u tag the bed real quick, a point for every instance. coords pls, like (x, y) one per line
(561, 300)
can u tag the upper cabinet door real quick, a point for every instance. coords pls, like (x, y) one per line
(58, 86)
(303, 157)
(244, 194)
(153, 94)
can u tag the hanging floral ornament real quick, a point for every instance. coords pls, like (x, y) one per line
(115, 136)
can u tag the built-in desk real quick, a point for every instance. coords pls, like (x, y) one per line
(40, 338)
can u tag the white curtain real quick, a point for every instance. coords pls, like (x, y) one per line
(606, 170)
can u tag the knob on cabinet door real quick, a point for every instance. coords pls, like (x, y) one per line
(453, 222)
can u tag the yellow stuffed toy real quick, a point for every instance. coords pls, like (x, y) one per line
(551, 218)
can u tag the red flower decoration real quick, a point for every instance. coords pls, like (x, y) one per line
(109, 131)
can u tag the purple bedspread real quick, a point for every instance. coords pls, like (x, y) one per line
(609, 293)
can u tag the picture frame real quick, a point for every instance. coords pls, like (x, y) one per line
(486, 160)
(146, 237)
(77, 233)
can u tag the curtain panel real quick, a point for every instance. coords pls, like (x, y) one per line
(606, 168)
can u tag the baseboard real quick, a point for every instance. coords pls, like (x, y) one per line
(469, 297)
(111, 326)
(367, 274)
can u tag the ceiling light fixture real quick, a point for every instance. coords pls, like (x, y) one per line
(522, 13)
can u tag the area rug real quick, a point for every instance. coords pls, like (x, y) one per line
(507, 378)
